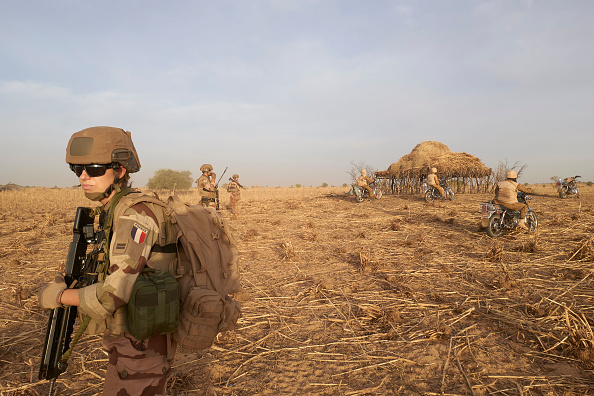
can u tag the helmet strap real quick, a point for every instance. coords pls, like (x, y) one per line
(114, 186)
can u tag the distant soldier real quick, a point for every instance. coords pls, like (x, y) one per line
(433, 181)
(506, 194)
(207, 186)
(363, 181)
(234, 194)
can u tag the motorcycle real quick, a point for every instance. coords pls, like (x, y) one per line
(361, 193)
(431, 193)
(496, 218)
(568, 187)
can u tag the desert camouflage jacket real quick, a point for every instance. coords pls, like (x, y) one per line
(135, 230)
(506, 191)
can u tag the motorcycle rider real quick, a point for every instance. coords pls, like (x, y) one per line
(433, 181)
(506, 194)
(363, 181)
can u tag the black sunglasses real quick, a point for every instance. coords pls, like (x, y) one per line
(93, 170)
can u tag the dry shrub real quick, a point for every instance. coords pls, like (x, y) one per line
(529, 246)
(366, 261)
(584, 250)
(581, 337)
(507, 281)
(289, 250)
(495, 252)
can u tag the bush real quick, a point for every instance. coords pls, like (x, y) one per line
(324, 184)
(589, 184)
(170, 179)
(345, 185)
(297, 185)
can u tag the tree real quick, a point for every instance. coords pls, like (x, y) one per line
(324, 184)
(356, 170)
(170, 179)
(504, 166)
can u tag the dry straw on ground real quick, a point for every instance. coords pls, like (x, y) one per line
(388, 298)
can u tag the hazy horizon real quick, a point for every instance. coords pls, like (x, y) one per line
(293, 92)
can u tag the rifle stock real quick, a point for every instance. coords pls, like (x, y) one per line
(79, 271)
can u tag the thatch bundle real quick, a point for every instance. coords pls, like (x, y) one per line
(467, 170)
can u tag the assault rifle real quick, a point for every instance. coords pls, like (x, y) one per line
(80, 271)
(217, 186)
(235, 181)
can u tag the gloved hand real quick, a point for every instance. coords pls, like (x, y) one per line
(49, 295)
(213, 176)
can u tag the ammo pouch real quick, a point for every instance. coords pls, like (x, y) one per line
(204, 193)
(153, 308)
(204, 314)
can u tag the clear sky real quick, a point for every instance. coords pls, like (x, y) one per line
(286, 92)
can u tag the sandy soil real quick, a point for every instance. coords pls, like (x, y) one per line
(392, 296)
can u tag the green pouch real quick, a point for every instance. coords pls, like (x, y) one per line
(153, 308)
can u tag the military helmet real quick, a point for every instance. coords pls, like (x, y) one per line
(511, 174)
(235, 176)
(433, 170)
(103, 145)
(206, 168)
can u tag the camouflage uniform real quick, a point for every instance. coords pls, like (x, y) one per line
(133, 230)
(135, 367)
(234, 194)
(206, 186)
(433, 180)
(363, 181)
(506, 194)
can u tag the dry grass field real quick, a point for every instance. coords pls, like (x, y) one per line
(393, 296)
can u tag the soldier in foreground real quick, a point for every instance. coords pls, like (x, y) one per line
(433, 180)
(506, 194)
(103, 158)
(234, 194)
(207, 186)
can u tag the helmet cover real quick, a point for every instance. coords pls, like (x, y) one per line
(103, 145)
(235, 176)
(206, 168)
(433, 170)
(511, 174)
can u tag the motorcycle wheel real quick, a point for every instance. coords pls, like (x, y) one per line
(494, 229)
(449, 194)
(562, 194)
(429, 196)
(531, 221)
(359, 198)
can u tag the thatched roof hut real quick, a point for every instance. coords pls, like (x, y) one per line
(413, 167)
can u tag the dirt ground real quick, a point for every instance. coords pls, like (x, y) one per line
(392, 296)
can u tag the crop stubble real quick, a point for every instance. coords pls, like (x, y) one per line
(393, 296)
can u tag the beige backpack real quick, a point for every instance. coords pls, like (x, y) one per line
(206, 268)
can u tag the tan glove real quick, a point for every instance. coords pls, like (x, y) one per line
(50, 294)
(213, 176)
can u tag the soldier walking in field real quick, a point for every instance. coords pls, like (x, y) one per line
(234, 194)
(207, 186)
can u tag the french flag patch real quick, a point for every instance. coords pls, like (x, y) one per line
(138, 233)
